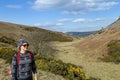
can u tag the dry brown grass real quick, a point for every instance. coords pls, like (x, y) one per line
(3, 70)
(17, 31)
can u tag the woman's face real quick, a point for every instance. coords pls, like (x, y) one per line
(24, 46)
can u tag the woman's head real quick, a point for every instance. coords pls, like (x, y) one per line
(23, 44)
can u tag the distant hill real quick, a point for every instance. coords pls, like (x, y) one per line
(81, 34)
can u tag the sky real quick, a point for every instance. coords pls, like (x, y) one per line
(61, 15)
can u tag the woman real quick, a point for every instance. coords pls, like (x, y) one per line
(23, 64)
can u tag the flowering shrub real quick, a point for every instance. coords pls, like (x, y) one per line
(68, 71)
(77, 71)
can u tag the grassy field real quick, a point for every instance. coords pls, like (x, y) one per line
(93, 67)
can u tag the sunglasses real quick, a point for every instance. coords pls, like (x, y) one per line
(25, 45)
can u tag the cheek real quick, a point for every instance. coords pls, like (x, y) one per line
(21, 47)
(25, 48)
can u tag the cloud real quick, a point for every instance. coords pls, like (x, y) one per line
(48, 24)
(99, 19)
(74, 6)
(81, 20)
(65, 20)
(14, 6)
(46, 4)
(51, 26)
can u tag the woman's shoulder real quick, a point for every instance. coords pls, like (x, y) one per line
(29, 52)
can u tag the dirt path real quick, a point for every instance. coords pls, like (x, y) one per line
(68, 53)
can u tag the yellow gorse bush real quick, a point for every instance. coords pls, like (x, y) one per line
(68, 71)
(5, 48)
(78, 71)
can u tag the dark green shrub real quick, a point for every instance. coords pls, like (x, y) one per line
(7, 53)
(113, 52)
(114, 48)
(7, 40)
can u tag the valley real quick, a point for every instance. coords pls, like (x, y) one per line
(92, 67)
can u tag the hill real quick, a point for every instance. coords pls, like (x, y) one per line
(17, 31)
(95, 45)
(81, 34)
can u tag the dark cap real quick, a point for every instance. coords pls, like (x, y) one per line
(20, 42)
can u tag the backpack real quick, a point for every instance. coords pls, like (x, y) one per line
(18, 56)
(18, 59)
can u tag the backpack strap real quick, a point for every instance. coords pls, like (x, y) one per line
(30, 54)
(18, 56)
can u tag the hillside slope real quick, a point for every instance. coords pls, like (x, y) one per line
(17, 31)
(95, 45)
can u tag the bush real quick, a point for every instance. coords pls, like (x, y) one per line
(7, 40)
(114, 48)
(7, 53)
(113, 52)
(68, 71)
